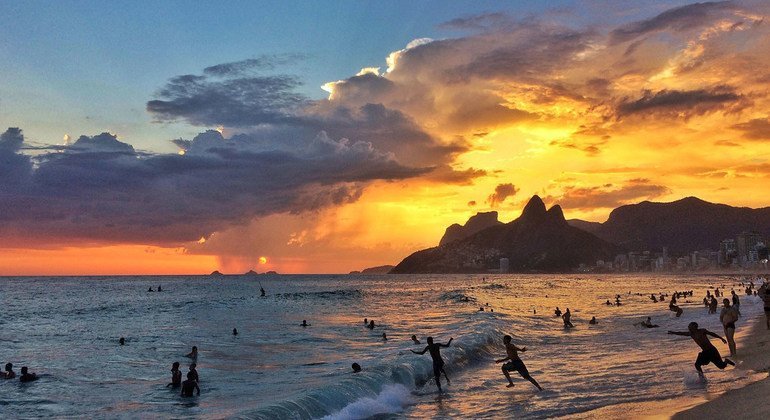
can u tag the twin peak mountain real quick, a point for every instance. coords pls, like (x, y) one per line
(542, 240)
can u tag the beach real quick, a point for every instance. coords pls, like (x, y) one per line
(747, 402)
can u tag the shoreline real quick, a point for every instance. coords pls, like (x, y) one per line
(747, 401)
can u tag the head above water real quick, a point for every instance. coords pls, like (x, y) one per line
(429, 340)
(195, 348)
(356, 367)
(692, 326)
(507, 339)
(8, 367)
(24, 370)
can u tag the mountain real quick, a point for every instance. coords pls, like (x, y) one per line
(475, 224)
(380, 269)
(538, 240)
(686, 225)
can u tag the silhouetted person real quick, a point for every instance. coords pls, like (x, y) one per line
(193, 371)
(415, 340)
(673, 307)
(566, 318)
(193, 354)
(356, 367)
(710, 354)
(9, 373)
(384, 337)
(190, 385)
(515, 363)
(593, 321)
(26, 376)
(728, 317)
(438, 362)
(261, 291)
(557, 312)
(176, 376)
(608, 303)
(235, 331)
(648, 323)
(304, 323)
(122, 341)
(764, 293)
(481, 309)
(736, 302)
(713, 304)
(366, 322)
(150, 289)
(371, 325)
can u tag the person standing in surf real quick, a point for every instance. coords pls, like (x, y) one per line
(515, 363)
(710, 354)
(438, 362)
(728, 317)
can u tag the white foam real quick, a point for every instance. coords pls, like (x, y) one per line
(392, 399)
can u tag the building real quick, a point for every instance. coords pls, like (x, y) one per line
(505, 265)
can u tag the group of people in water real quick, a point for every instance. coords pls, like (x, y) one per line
(26, 376)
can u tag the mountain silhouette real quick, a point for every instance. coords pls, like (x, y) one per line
(475, 224)
(539, 240)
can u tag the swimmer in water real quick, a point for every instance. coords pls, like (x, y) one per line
(190, 385)
(384, 337)
(648, 323)
(356, 367)
(673, 307)
(235, 331)
(160, 289)
(371, 325)
(515, 363)
(709, 353)
(150, 289)
(176, 376)
(593, 321)
(261, 291)
(193, 354)
(557, 312)
(566, 318)
(438, 362)
(304, 323)
(9, 373)
(26, 376)
(415, 340)
(193, 371)
(122, 341)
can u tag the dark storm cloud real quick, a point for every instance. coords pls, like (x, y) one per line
(608, 195)
(684, 102)
(678, 19)
(756, 129)
(502, 192)
(100, 190)
(261, 63)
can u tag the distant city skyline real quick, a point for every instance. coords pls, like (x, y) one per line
(326, 137)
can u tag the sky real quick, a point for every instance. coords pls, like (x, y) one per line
(324, 137)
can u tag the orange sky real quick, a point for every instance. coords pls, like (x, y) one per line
(589, 119)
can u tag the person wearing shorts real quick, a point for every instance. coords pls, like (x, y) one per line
(515, 363)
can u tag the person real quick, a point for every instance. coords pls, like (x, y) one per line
(356, 368)
(384, 337)
(764, 293)
(176, 376)
(608, 303)
(710, 354)
(304, 323)
(415, 340)
(26, 376)
(438, 362)
(727, 317)
(193, 371)
(9, 373)
(160, 289)
(261, 291)
(557, 312)
(235, 331)
(653, 298)
(189, 385)
(566, 318)
(673, 307)
(736, 302)
(648, 323)
(366, 322)
(122, 341)
(371, 325)
(515, 363)
(593, 321)
(713, 305)
(193, 354)
(150, 289)
(481, 309)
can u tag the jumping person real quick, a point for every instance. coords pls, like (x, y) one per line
(710, 354)
(515, 363)
(438, 362)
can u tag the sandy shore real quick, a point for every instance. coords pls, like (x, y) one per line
(749, 402)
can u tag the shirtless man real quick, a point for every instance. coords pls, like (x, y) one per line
(176, 376)
(566, 318)
(515, 363)
(438, 362)
(9, 373)
(193, 354)
(710, 354)
(673, 307)
(26, 376)
(728, 317)
(189, 385)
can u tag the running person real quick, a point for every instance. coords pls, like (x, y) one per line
(438, 362)
(710, 354)
(515, 363)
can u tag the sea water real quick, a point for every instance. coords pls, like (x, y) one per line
(67, 330)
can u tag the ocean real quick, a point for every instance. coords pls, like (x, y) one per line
(66, 329)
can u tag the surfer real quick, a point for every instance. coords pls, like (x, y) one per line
(710, 354)
(438, 362)
(189, 385)
(727, 317)
(176, 376)
(515, 363)
(26, 376)
(415, 340)
(9, 373)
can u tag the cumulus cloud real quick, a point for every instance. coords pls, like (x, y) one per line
(607, 195)
(502, 192)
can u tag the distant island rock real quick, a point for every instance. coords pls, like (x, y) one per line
(216, 273)
(474, 225)
(539, 240)
(380, 269)
(251, 273)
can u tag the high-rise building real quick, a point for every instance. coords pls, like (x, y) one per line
(745, 243)
(504, 265)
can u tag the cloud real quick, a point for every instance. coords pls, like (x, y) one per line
(679, 19)
(678, 102)
(502, 192)
(261, 63)
(756, 129)
(99, 189)
(607, 195)
(482, 21)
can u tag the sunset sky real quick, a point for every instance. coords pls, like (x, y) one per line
(324, 137)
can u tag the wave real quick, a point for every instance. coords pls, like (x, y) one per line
(332, 294)
(385, 388)
(456, 296)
